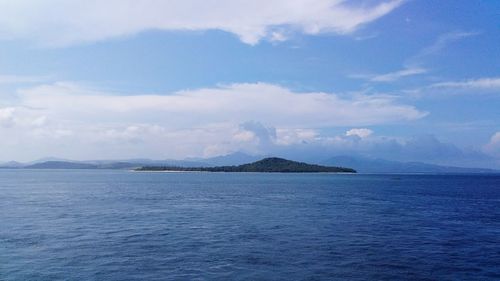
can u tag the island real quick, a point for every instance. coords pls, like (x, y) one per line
(266, 165)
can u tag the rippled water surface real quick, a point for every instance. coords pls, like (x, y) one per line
(119, 225)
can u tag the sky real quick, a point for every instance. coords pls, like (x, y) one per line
(414, 80)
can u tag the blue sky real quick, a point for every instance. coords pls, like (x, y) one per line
(402, 80)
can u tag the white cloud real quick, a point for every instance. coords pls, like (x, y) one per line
(245, 136)
(295, 136)
(481, 84)
(7, 116)
(61, 22)
(393, 76)
(362, 132)
(21, 117)
(493, 146)
(267, 103)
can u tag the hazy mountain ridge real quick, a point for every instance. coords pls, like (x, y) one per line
(360, 164)
(375, 165)
(61, 165)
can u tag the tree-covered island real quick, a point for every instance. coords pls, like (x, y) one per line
(267, 165)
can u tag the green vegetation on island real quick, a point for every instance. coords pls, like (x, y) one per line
(267, 165)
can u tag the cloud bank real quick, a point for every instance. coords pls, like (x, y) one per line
(61, 22)
(68, 119)
(269, 103)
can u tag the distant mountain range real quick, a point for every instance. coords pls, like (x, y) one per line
(61, 165)
(266, 165)
(360, 164)
(369, 165)
(55, 163)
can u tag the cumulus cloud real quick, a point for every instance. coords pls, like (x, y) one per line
(362, 133)
(21, 117)
(7, 116)
(60, 22)
(493, 146)
(265, 136)
(296, 136)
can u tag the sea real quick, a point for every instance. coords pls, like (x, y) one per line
(123, 225)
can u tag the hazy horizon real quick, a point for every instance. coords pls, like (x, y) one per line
(411, 81)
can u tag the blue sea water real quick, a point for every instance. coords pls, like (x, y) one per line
(120, 225)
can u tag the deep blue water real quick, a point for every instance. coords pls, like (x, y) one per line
(119, 225)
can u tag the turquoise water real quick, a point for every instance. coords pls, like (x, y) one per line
(119, 225)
